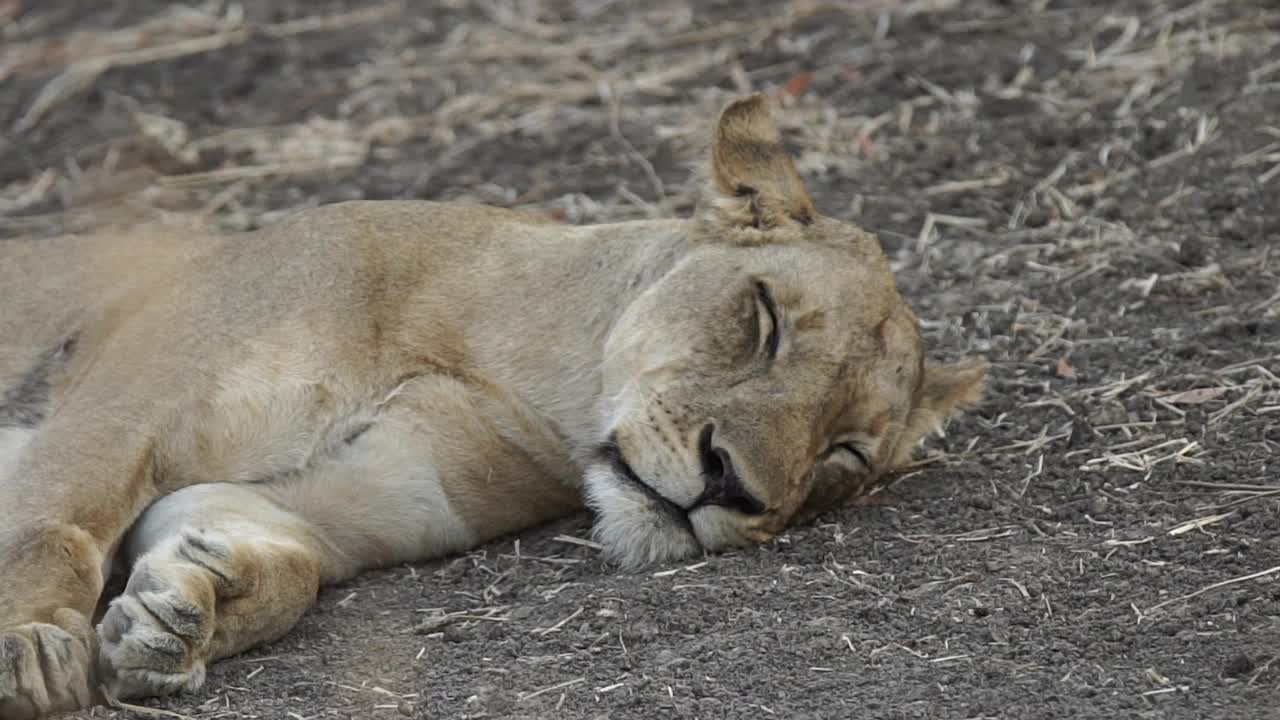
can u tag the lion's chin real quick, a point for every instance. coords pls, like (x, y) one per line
(634, 529)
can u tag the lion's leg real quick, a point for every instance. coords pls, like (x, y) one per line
(217, 569)
(221, 568)
(447, 463)
(50, 577)
(66, 498)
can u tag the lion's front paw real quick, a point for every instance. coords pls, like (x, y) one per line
(46, 667)
(156, 635)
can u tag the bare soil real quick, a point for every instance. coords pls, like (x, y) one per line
(1087, 193)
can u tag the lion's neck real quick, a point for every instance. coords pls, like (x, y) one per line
(550, 305)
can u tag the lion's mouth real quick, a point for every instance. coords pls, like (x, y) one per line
(610, 453)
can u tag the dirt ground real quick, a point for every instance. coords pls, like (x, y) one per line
(1086, 193)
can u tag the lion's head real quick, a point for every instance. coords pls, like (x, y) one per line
(770, 374)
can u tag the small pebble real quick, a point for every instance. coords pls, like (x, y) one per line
(1097, 505)
(1038, 218)
(1191, 252)
(1238, 665)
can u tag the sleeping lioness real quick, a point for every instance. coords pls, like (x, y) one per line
(237, 420)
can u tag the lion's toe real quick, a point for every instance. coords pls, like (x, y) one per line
(153, 643)
(143, 683)
(155, 637)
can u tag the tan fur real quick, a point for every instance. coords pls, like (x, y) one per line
(236, 420)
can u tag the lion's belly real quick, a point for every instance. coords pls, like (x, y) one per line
(262, 420)
(12, 442)
(386, 471)
(379, 476)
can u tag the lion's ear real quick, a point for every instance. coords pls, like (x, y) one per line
(753, 180)
(944, 390)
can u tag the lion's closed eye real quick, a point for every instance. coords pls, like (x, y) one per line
(852, 455)
(767, 313)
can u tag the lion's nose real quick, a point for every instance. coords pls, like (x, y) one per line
(723, 486)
